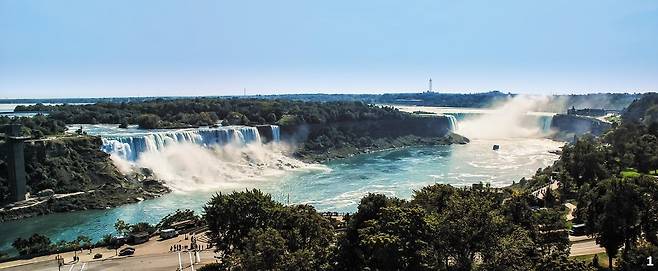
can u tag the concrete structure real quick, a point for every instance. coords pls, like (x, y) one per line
(16, 162)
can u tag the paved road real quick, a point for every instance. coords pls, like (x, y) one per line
(157, 262)
(585, 247)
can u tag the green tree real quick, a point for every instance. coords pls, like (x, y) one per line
(35, 245)
(511, 252)
(398, 240)
(635, 258)
(148, 121)
(264, 249)
(518, 211)
(246, 225)
(549, 198)
(142, 227)
(177, 216)
(585, 161)
(433, 198)
(647, 153)
(84, 241)
(124, 123)
(550, 233)
(351, 254)
(230, 217)
(213, 267)
(304, 228)
(612, 213)
(122, 227)
(470, 226)
(237, 118)
(561, 263)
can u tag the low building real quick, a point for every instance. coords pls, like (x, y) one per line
(168, 233)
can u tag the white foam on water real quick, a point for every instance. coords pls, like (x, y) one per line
(189, 167)
(203, 159)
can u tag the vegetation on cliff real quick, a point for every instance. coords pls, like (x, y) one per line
(37, 126)
(613, 181)
(325, 147)
(644, 110)
(161, 113)
(440, 228)
(75, 164)
(339, 140)
(324, 130)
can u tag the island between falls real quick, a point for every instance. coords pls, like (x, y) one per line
(71, 172)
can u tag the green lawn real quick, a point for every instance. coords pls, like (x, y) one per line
(603, 259)
(630, 173)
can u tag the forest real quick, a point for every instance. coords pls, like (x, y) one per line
(616, 101)
(612, 179)
(161, 113)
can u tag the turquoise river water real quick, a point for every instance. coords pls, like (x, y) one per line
(196, 173)
(337, 186)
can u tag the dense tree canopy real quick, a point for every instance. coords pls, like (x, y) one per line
(613, 179)
(441, 228)
(163, 113)
(37, 126)
(255, 233)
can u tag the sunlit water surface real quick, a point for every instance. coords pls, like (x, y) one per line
(338, 186)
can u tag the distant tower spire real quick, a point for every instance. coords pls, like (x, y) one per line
(430, 84)
(244, 92)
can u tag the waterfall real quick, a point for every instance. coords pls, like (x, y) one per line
(453, 122)
(545, 123)
(276, 133)
(130, 146)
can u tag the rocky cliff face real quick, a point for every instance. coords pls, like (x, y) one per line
(80, 175)
(570, 125)
(421, 126)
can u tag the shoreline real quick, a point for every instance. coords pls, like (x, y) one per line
(372, 151)
(388, 144)
(150, 189)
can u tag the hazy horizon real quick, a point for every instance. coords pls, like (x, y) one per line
(77, 48)
(315, 93)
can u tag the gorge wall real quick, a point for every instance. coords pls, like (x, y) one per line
(569, 125)
(422, 126)
(78, 174)
(343, 139)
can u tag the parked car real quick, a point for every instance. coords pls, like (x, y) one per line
(577, 230)
(126, 251)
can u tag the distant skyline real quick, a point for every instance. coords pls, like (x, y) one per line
(82, 48)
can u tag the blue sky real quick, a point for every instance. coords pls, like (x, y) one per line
(97, 48)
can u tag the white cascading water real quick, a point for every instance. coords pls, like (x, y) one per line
(453, 122)
(203, 159)
(130, 147)
(511, 119)
(276, 133)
